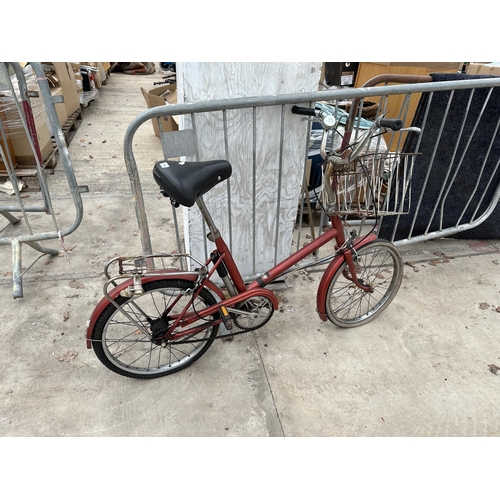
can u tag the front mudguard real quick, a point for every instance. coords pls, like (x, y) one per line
(115, 292)
(330, 272)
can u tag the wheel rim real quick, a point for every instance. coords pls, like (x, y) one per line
(377, 265)
(128, 348)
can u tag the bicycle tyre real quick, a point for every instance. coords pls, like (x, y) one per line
(379, 264)
(126, 350)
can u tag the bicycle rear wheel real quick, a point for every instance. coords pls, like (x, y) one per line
(378, 264)
(124, 348)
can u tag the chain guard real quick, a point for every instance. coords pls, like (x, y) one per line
(259, 305)
(238, 327)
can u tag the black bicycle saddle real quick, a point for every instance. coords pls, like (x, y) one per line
(184, 181)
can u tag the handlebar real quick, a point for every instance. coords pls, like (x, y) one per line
(329, 122)
(297, 110)
(392, 123)
(349, 152)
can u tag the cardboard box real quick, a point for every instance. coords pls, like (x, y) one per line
(7, 147)
(19, 140)
(62, 116)
(490, 69)
(159, 96)
(20, 143)
(101, 74)
(68, 84)
(63, 77)
(60, 83)
(22, 148)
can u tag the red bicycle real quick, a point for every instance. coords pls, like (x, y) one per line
(161, 319)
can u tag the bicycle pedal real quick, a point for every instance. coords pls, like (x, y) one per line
(226, 318)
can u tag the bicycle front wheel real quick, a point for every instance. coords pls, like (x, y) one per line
(378, 265)
(123, 347)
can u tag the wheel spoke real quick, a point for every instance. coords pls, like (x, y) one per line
(152, 347)
(120, 342)
(377, 265)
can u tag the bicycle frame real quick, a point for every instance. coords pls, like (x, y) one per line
(242, 292)
(221, 260)
(346, 254)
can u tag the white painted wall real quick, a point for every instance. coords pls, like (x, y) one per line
(208, 81)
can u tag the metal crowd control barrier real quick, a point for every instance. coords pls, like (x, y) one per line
(32, 238)
(184, 142)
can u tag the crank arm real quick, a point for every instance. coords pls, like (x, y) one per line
(243, 313)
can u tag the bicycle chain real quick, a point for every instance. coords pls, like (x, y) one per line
(230, 334)
(218, 337)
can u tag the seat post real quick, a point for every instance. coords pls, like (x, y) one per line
(214, 232)
(231, 275)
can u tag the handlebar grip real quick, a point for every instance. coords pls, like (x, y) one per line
(296, 110)
(392, 123)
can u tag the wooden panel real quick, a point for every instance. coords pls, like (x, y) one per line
(368, 70)
(208, 81)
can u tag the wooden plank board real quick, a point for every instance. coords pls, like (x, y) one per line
(72, 125)
(253, 193)
(49, 163)
(26, 172)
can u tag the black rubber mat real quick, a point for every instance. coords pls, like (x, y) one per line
(466, 150)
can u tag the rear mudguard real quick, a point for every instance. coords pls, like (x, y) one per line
(330, 272)
(146, 279)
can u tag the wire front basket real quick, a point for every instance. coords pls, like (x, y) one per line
(373, 185)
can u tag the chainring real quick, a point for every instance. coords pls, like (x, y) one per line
(255, 313)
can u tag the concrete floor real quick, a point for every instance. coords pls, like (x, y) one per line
(426, 367)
